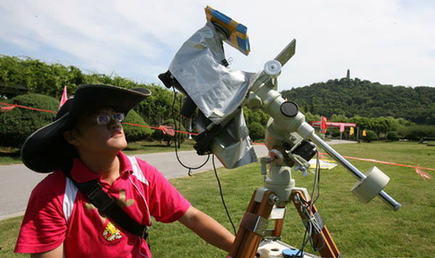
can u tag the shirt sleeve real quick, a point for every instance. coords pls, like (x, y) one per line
(166, 203)
(44, 225)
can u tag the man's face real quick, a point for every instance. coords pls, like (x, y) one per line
(98, 132)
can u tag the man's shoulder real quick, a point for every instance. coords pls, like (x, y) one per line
(129, 158)
(146, 167)
(150, 172)
(54, 183)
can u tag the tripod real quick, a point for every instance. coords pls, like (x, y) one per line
(267, 202)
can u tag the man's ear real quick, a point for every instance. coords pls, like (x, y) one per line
(70, 137)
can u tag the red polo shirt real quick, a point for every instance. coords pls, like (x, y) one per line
(57, 213)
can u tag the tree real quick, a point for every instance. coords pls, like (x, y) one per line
(256, 131)
(339, 118)
(310, 117)
(158, 107)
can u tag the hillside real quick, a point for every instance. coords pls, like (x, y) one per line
(352, 97)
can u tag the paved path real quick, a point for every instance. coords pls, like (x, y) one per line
(17, 181)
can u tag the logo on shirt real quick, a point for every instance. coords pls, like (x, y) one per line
(111, 232)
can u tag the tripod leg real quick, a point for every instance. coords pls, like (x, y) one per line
(253, 223)
(322, 238)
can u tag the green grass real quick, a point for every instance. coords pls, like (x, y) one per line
(9, 229)
(359, 230)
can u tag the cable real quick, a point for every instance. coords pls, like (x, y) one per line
(177, 140)
(306, 207)
(222, 195)
(308, 228)
(198, 167)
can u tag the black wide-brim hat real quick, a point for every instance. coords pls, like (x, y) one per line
(46, 150)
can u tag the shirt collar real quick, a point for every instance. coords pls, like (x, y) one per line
(81, 173)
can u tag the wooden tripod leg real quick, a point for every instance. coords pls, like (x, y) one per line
(326, 245)
(247, 239)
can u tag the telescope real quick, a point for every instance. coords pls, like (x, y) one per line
(200, 71)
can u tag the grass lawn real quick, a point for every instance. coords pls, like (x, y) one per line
(359, 230)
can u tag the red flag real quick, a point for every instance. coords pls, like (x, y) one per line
(64, 97)
(167, 130)
(423, 174)
(323, 124)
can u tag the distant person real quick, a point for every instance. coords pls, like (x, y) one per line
(83, 146)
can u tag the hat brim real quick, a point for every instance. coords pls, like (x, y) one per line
(46, 150)
(90, 97)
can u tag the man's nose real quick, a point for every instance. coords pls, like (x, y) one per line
(114, 122)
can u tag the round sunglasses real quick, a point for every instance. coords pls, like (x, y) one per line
(105, 118)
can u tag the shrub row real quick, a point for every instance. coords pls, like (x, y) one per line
(17, 124)
(414, 132)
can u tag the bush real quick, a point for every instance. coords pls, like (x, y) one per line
(371, 136)
(136, 133)
(416, 132)
(392, 136)
(256, 131)
(16, 125)
(334, 132)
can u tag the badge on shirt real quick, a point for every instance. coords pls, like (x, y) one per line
(111, 233)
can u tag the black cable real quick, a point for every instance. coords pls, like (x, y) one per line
(222, 195)
(192, 168)
(177, 140)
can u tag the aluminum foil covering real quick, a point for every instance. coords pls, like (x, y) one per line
(218, 92)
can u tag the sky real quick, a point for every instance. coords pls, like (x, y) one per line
(385, 41)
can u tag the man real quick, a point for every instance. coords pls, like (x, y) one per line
(84, 145)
